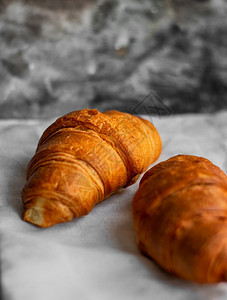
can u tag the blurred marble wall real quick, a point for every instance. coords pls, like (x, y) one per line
(149, 56)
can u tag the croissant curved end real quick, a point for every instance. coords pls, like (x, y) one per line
(34, 215)
(45, 213)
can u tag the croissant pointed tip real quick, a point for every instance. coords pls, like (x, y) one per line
(34, 215)
(44, 213)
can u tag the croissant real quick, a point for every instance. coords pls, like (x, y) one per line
(81, 159)
(180, 217)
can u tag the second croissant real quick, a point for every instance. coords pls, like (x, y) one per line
(81, 159)
(180, 217)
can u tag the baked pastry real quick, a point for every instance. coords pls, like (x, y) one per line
(180, 217)
(81, 159)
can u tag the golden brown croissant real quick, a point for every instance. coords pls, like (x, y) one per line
(180, 216)
(81, 159)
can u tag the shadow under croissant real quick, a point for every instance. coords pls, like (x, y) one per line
(176, 285)
(158, 273)
(192, 290)
(124, 237)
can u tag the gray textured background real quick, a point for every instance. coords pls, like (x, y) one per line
(150, 56)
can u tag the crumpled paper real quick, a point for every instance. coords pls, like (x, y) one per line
(95, 256)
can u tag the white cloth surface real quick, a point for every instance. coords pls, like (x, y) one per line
(93, 257)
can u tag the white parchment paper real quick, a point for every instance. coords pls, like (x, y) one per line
(93, 257)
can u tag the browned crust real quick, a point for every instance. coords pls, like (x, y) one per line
(84, 157)
(180, 216)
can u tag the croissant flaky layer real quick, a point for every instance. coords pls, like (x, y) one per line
(180, 216)
(81, 159)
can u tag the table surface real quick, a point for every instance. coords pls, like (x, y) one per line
(93, 257)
